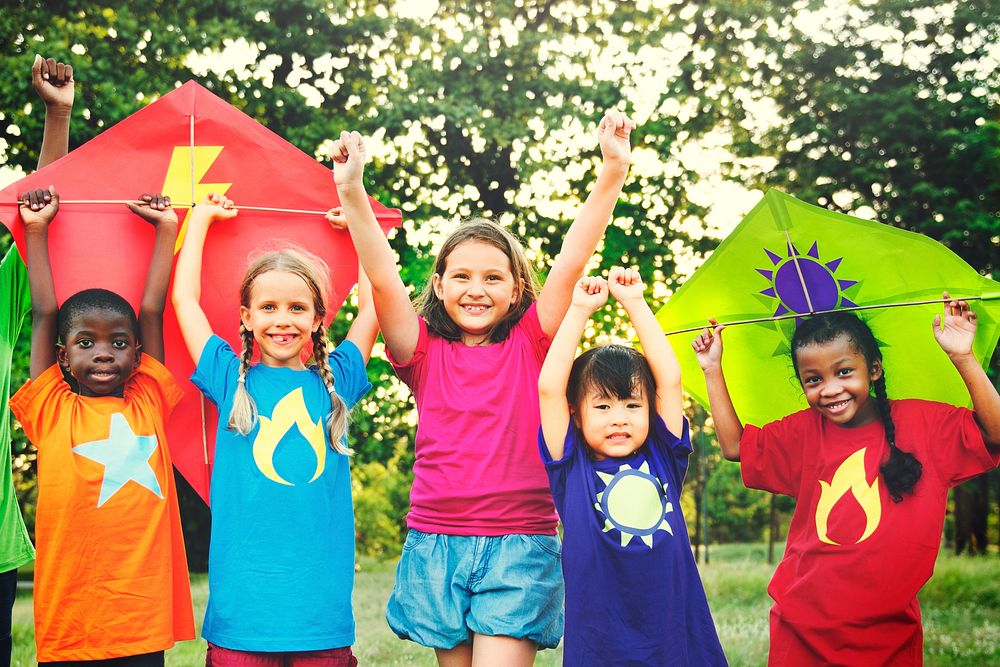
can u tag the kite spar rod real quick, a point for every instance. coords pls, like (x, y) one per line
(775, 318)
(190, 205)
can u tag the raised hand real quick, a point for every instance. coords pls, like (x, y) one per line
(54, 82)
(956, 330)
(335, 216)
(625, 284)
(38, 207)
(154, 209)
(590, 293)
(613, 133)
(708, 345)
(349, 156)
(216, 207)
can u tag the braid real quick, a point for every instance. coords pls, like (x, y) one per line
(902, 471)
(243, 416)
(337, 421)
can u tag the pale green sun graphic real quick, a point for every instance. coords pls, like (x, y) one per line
(634, 504)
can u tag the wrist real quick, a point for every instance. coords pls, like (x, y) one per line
(58, 110)
(351, 188)
(617, 166)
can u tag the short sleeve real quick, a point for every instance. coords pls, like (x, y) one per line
(218, 370)
(532, 330)
(955, 444)
(770, 456)
(15, 302)
(411, 369)
(36, 403)
(349, 377)
(673, 448)
(157, 385)
(559, 470)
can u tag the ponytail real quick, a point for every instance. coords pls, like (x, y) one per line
(903, 470)
(336, 422)
(243, 416)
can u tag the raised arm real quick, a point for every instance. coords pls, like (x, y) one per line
(588, 228)
(626, 286)
(728, 427)
(156, 210)
(955, 333)
(396, 315)
(186, 295)
(37, 208)
(54, 83)
(590, 294)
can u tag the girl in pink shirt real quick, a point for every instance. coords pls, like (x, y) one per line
(480, 570)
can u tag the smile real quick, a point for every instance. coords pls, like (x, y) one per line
(839, 406)
(619, 436)
(475, 308)
(282, 339)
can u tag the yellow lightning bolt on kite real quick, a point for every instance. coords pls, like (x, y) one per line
(177, 184)
(850, 476)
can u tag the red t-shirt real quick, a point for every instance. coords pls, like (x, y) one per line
(845, 591)
(111, 575)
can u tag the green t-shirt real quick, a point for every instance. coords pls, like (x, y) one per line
(15, 303)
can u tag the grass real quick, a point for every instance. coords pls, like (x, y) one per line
(961, 611)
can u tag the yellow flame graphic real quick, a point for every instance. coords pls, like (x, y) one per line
(850, 476)
(288, 412)
(177, 183)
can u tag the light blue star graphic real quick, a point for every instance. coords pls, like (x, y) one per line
(125, 457)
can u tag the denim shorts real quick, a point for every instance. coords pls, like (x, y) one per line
(450, 586)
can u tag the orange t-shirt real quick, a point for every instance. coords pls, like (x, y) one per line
(111, 576)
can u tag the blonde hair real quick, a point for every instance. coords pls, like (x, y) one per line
(316, 275)
(481, 230)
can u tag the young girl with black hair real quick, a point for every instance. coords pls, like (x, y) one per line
(616, 445)
(870, 476)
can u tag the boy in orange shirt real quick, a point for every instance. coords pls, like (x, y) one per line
(111, 578)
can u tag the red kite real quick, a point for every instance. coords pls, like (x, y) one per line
(186, 144)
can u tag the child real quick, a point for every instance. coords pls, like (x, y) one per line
(111, 579)
(870, 477)
(54, 83)
(615, 445)
(281, 560)
(479, 574)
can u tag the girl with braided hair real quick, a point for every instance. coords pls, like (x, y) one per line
(870, 477)
(281, 559)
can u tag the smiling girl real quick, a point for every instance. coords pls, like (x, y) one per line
(870, 477)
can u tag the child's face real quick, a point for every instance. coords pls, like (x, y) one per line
(613, 426)
(477, 289)
(282, 317)
(837, 381)
(100, 352)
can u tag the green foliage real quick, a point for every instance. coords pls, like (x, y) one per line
(735, 513)
(381, 498)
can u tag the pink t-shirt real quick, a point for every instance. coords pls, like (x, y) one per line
(477, 469)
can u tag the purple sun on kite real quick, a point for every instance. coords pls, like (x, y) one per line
(825, 291)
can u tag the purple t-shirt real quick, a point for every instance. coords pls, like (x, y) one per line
(477, 469)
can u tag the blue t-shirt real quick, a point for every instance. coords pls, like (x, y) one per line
(633, 594)
(281, 560)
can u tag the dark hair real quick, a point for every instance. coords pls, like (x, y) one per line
(90, 300)
(613, 371)
(481, 230)
(902, 471)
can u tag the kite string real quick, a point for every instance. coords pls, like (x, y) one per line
(776, 318)
(188, 204)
